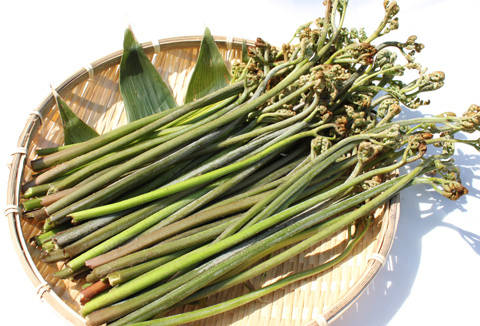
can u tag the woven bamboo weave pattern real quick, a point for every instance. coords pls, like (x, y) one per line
(97, 101)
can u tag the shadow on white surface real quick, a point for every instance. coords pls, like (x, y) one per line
(421, 212)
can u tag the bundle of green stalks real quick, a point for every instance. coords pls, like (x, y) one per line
(301, 142)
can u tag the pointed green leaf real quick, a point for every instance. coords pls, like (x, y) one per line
(74, 129)
(210, 72)
(143, 90)
(245, 57)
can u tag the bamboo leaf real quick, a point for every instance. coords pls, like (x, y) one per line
(210, 72)
(245, 57)
(143, 90)
(74, 129)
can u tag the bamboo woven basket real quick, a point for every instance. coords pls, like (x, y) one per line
(93, 93)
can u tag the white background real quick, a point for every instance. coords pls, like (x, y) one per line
(431, 277)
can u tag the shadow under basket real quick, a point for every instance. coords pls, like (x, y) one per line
(93, 93)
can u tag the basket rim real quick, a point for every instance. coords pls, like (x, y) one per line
(13, 211)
